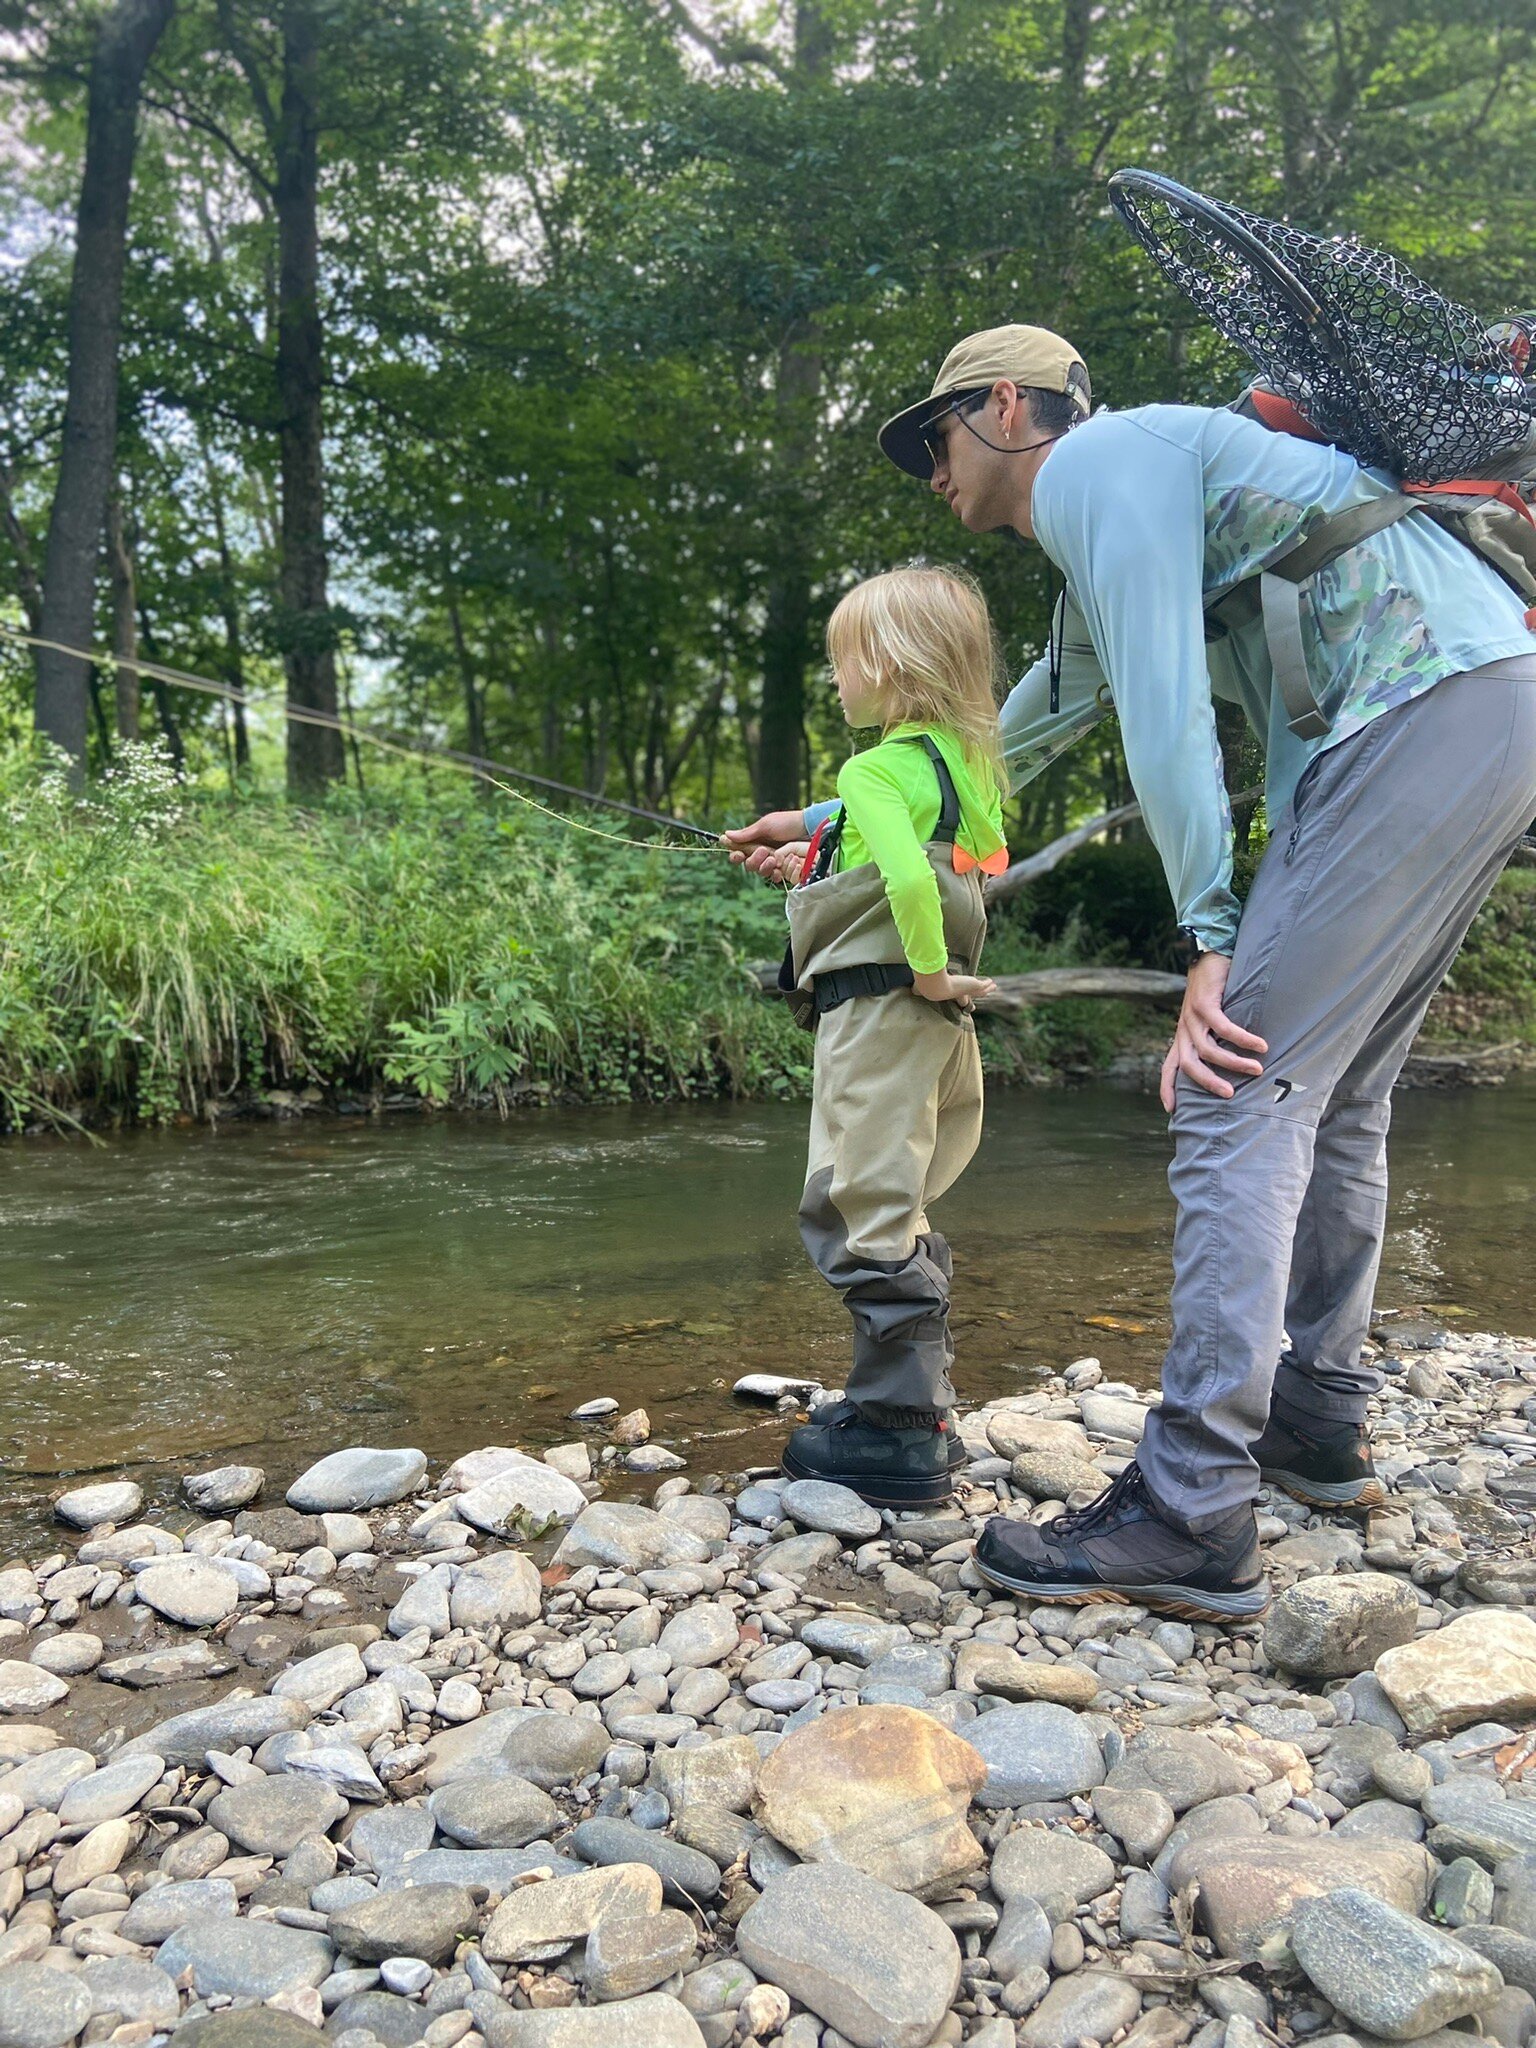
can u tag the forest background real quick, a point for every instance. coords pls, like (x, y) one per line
(503, 374)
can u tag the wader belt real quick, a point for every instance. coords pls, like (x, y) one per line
(1275, 595)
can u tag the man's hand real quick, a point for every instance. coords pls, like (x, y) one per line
(1197, 1049)
(945, 987)
(755, 846)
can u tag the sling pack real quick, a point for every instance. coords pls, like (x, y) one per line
(1354, 350)
(843, 940)
(1489, 515)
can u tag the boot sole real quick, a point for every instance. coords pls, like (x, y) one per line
(1323, 1493)
(1188, 1603)
(925, 1492)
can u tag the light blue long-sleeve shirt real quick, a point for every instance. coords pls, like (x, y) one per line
(1148, 514)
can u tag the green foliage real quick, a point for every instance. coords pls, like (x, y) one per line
(155, 962)
(1499, 957)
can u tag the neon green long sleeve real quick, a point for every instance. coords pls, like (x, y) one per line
(891, 796)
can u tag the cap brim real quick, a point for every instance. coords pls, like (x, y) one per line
(901, 438)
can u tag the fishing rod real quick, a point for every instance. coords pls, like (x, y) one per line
(476, 765)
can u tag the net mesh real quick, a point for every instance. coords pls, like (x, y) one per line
(1379, 362)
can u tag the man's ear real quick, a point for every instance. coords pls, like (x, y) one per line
(1009, 409)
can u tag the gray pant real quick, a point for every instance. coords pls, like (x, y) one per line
(1360, 904)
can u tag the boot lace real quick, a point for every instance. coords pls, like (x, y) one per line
(1119, 1493)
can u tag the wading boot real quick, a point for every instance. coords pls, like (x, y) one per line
(1324, 1463)
(1122, 1548)
(844, 1411)
(890, 1468)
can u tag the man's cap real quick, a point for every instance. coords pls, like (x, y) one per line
(1030, 356)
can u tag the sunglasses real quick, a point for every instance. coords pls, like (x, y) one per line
(933, 437)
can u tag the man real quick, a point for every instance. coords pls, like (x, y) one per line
(1388, 828)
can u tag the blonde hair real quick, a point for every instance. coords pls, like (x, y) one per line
(923, 638)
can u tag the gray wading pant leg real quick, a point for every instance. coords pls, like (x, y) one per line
(1359, 905)
(895, 1119)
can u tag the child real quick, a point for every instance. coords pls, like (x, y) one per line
(886, 929)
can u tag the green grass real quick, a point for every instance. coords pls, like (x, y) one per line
(163, 949)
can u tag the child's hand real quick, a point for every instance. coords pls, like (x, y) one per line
(945, 987)
(789, 864)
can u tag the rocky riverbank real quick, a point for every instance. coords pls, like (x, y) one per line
(756, 1763)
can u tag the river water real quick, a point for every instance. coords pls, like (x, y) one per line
(270, 1292)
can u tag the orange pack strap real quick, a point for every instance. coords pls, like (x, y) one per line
(1475, 487)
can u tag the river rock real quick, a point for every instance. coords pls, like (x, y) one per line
(69, 1654)
(1053, 1475)
(40, 2007)
(688, 1877)
(884, 1789)
(550, 1749)
(1336, 1627)
(653, 2021)
(1010, 1433)
(853, 1638)
(474, 1747)
(699, 1635)
(87, 1507)
(248, 2026)
(837, 1510)
(494, 1813)
(626, 1956)
(224, 1489)
(1392, 1975)
(501, 1590)
(41, 1780)
(874, 1963)
(351, 1481)
(1512, 1955)
(28, 1688)
(1479, 1667)
(1060, 1871)
(1113, 1415)
(1187, 1768)
(720, 1773)
(424, 1920)
(522, 1500)
(617, 1535)
(190, 1590)
(1034, 1752)
(137, 1989)
(171, 1664)
(269, 1816)
(994, 1668)
(319, 1681)
(1089, 2005)
(97, 1853)
(157, 1913)
(541, 1921)
(107, 1794)
(424, 1604)
(1250, 1889)
(245, 1958)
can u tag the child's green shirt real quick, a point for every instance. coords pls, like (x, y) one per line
(891, 798)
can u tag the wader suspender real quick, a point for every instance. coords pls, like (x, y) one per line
(1278, 599)
(842, 984)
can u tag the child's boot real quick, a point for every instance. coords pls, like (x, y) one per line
(903, 1464)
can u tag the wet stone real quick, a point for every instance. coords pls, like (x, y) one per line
(836, 1510)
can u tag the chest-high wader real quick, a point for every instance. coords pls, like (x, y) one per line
(843, 940)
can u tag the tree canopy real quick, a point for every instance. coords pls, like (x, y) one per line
(508, 370)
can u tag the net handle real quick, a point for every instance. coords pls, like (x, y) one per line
(1126, 187)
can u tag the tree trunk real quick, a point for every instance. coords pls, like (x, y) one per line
(314, 753)
(125, 631)
(787, 623)
(124, 46)
(229, 609)
(474, 696)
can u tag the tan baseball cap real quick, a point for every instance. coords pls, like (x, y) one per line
(1024, 355)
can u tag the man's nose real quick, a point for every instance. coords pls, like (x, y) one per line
(939, 481)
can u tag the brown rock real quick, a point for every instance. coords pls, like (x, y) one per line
(1481, 1667)
(1052, 1475)
(1010, 1434)
(994, 1668)
(1250, 1887)
(881, 1789)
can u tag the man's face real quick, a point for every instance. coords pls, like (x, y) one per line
(984, 461)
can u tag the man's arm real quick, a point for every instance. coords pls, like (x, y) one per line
(1034, 735)
(1122, 512)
